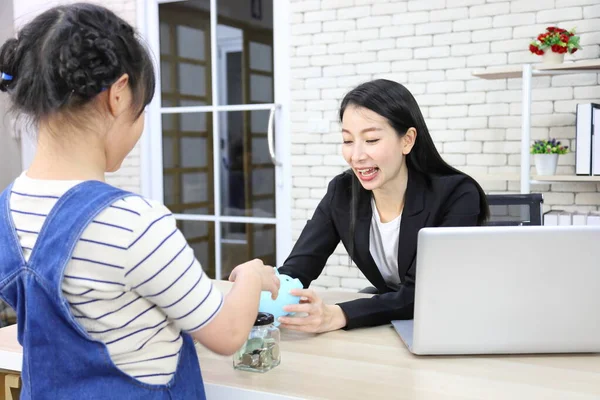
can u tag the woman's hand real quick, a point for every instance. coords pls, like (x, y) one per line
(321, 317)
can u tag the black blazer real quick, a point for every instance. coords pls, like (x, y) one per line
(440, 201)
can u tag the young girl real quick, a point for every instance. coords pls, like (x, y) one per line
(108, 294)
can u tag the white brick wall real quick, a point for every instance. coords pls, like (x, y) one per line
(129, 176)
(432, 47)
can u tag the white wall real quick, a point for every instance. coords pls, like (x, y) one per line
(128, 177)
(10, 149)
(432, 46)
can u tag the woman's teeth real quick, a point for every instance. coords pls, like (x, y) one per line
(368, 171)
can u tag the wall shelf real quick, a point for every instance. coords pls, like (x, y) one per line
(537, 179)
(564, 178)
(516, 71)
(527, 72)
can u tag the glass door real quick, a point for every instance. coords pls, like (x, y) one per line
(221, 129)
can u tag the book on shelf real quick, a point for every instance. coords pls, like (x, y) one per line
(564, 218)
(593, 218)
(557, 217)
(587, 137)
(579, 219)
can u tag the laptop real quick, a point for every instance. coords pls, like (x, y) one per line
(506, 290)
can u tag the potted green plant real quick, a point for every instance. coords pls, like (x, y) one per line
(554, 43)
(545, 153)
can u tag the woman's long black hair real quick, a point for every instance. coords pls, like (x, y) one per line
(394, 102)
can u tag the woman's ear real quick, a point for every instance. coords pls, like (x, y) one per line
(118, 96)
(408, 140)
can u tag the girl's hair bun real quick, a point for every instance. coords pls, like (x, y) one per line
(88, 63)
(8, 74)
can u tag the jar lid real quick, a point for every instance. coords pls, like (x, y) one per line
(264, 319)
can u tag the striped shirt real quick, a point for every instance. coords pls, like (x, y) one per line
(132, 283)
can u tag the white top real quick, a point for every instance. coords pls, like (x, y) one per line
(383, 246)
(132, 283)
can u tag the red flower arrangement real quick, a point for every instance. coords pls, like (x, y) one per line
(557, 40)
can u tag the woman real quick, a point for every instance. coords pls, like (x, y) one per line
(397, 184)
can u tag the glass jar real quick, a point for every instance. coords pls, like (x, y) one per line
(261, 352)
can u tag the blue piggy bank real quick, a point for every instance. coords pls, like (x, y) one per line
(284, 298)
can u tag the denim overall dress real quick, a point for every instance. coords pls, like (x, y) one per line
(60, 360)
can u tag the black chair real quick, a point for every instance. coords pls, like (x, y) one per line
(515, 209)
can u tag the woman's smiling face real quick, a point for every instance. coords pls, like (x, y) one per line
(372, 148)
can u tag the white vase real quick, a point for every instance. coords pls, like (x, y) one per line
(551, 57)
(545, 164)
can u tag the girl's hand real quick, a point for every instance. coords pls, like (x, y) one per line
(321, 317)
(269, 280)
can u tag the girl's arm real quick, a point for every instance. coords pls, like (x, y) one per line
(228, 331)
(163, 269)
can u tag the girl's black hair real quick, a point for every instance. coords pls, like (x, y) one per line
(394, 102)
(67, 55)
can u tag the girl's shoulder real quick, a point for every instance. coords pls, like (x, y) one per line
(139, 205)
(137, 212)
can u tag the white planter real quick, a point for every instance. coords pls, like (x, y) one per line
(545, 164)
(551, 57)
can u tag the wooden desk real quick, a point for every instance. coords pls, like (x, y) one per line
(10, 363)
(373, 363)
